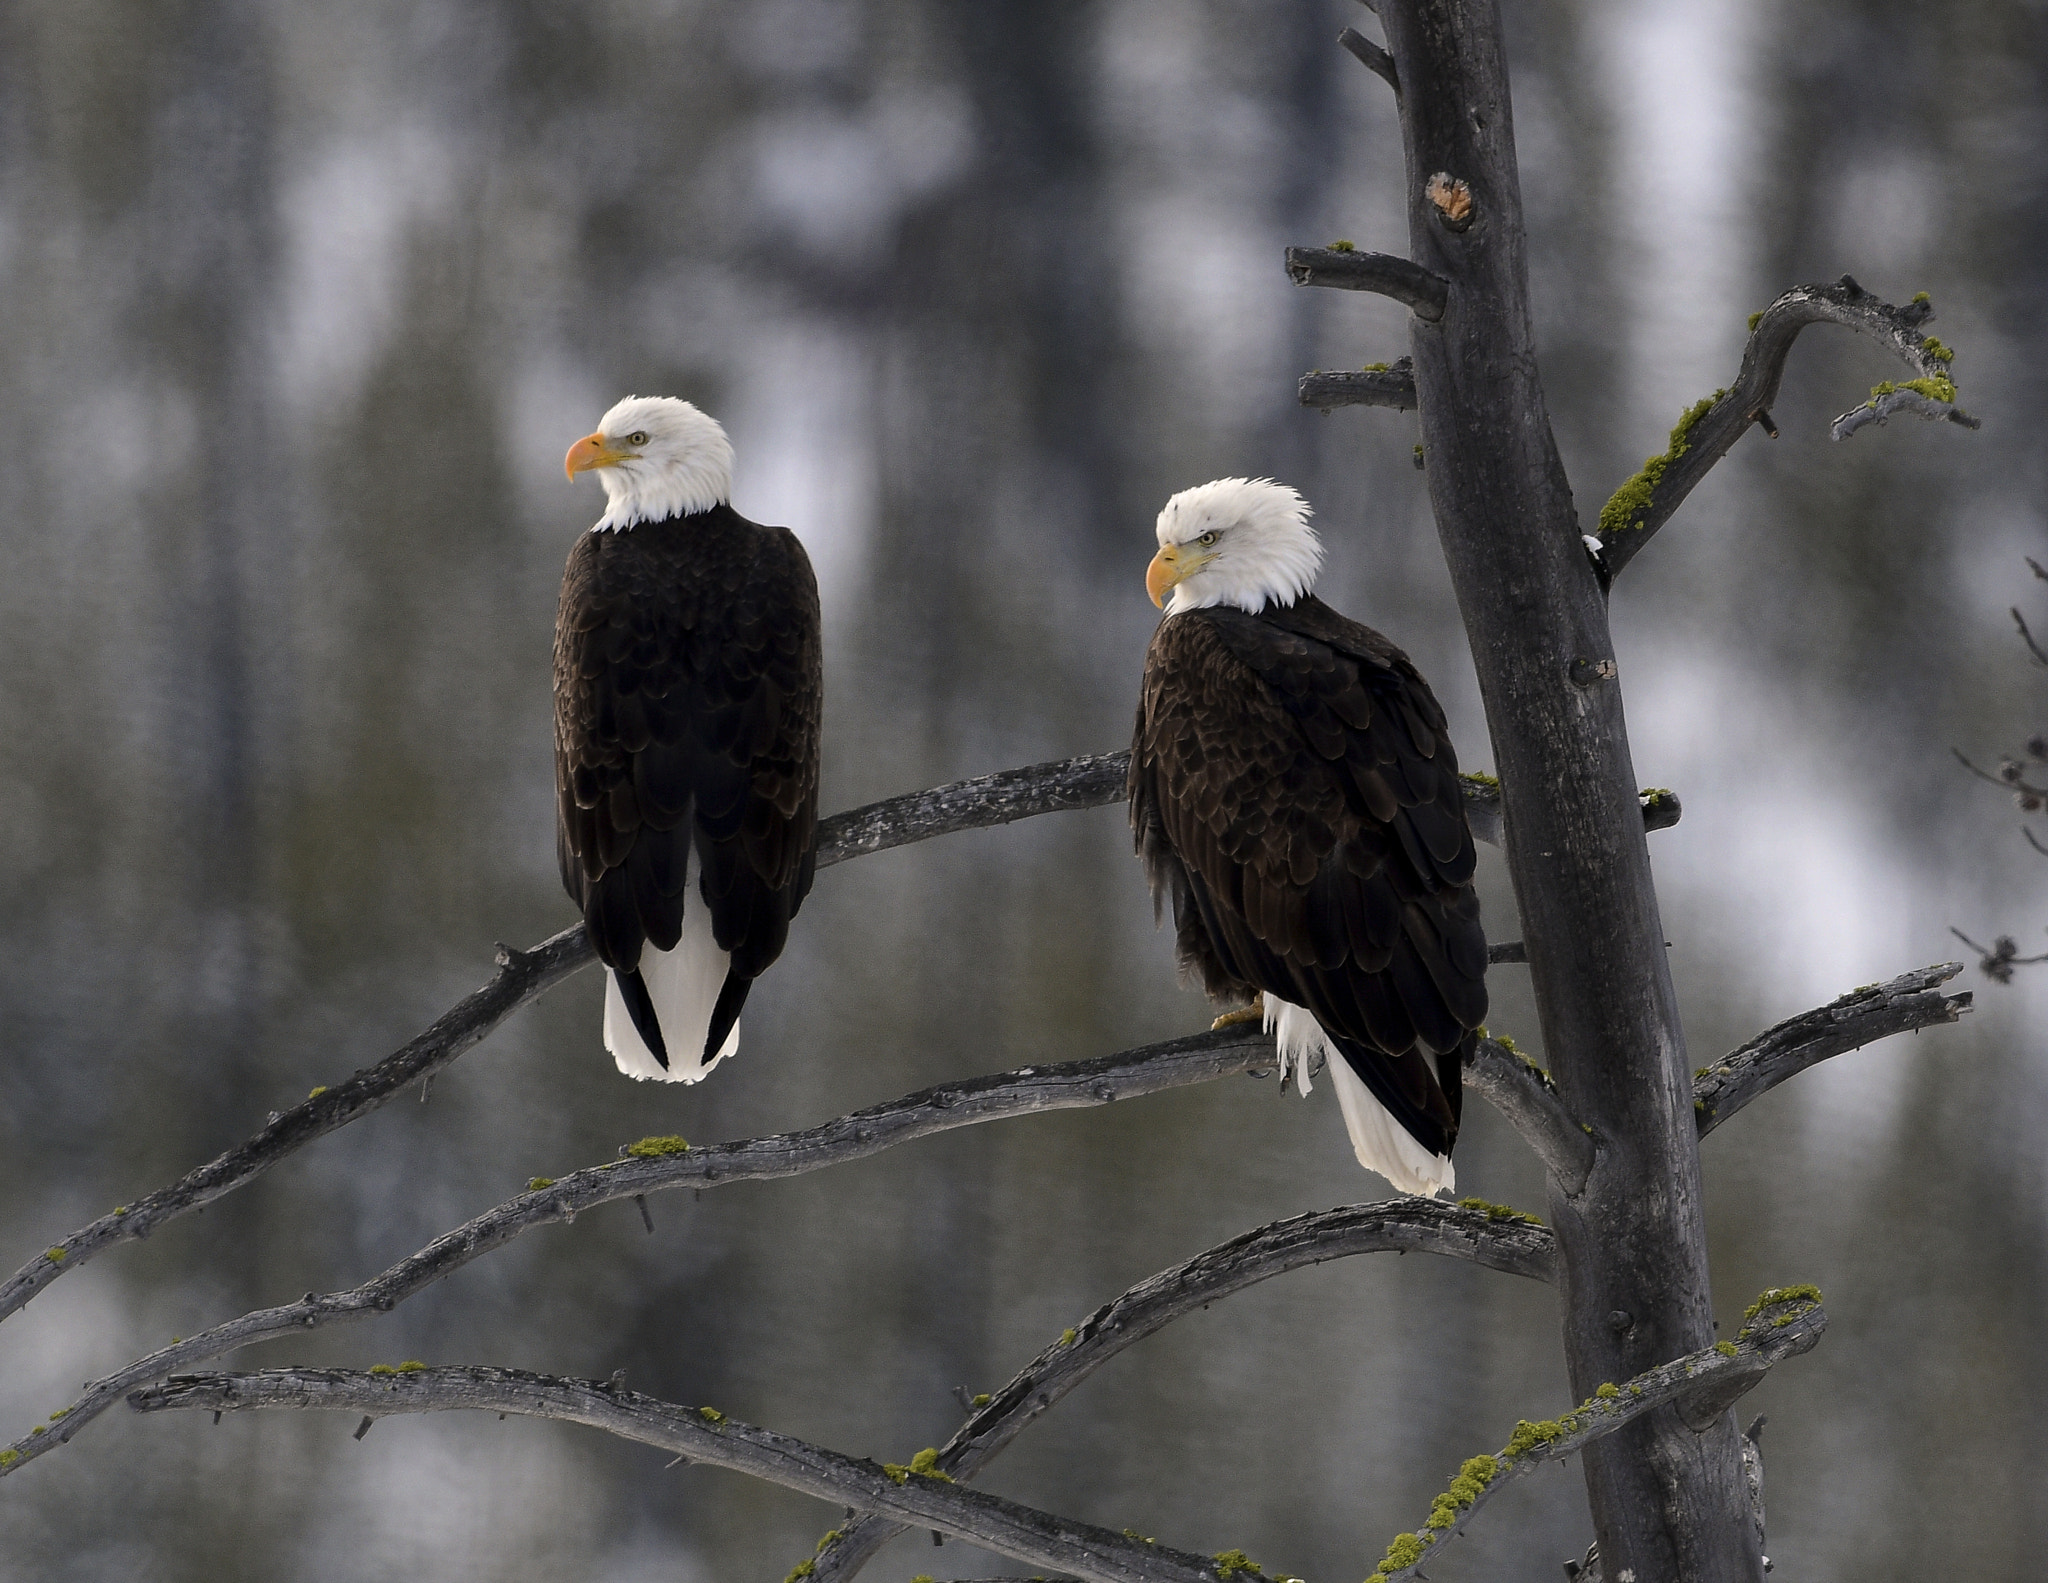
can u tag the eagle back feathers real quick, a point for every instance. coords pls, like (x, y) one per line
(688, 684)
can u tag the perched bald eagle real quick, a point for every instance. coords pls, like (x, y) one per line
(688, 683)
(1295, 796)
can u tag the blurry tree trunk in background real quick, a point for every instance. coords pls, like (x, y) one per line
(1667, 1503)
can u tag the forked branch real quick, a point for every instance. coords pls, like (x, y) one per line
(1905, 1004)
(1709, 431)
(1488, 1236)
(910, 1493)
(1703, 1385)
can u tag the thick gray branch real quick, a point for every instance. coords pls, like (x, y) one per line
(1149, 1070)
(1645, 503)
(1523, 1092)
(1701, 1385)
(1390, 385)
(1407, 282)
(1400, 1225)
(1021, 1532)
(1904, 1005)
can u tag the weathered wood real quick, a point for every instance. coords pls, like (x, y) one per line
(1635, 514)
(701, 1434)
(1667, 1504)
(1348, 269)
(1330, 388)
(1489, 1236)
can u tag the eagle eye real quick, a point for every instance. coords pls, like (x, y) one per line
(637, 437)
(1207, 538)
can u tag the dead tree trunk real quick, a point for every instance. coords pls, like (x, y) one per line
(1668, 1500)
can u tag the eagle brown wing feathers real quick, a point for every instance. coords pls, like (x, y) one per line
(1295, 795)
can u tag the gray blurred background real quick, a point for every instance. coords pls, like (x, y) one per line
(303, 303)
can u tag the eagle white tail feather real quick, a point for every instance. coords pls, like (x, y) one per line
(684, 985)
(1381, 1143)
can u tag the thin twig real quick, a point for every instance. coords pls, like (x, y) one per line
(2013, 778)
(1376, 60)
(1491, 1237)
(1030, 1090)
(708, 1436)
(1718, 1375)
(2027, 637)
(1997, 960)
(1422, 290)
(1711, 436)
(1903, 1005)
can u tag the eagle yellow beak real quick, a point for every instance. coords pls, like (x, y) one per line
(592, 451)
(1169, 567)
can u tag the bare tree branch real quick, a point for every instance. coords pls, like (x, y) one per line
(1876, 1011)
(1997, 960)
(1490, 1236)
(1643, 504)
(1522, 1091)
(910, 1493)
(1701, 1385)
(1091, 781)
(1889, 403)
(2012, 775)
(2026, 636)
(661, 1164)
(523, 977)
(1422, 290)
(1376, 59)
(1387, 385)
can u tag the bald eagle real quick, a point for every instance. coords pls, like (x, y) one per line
(688, 683)
(1294, 795)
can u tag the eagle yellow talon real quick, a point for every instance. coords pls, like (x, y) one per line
(1251, 1013)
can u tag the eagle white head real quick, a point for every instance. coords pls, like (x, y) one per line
(1238, 541)
(656, 457)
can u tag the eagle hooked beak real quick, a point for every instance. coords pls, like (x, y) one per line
(1169, 567)
(593, 451)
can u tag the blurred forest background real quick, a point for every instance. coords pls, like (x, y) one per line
(303, 303)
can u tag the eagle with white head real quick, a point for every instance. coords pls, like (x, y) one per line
(1294, 795)
(689, 682)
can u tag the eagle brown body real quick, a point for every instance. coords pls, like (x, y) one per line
(1294, 793)
(688, 685)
